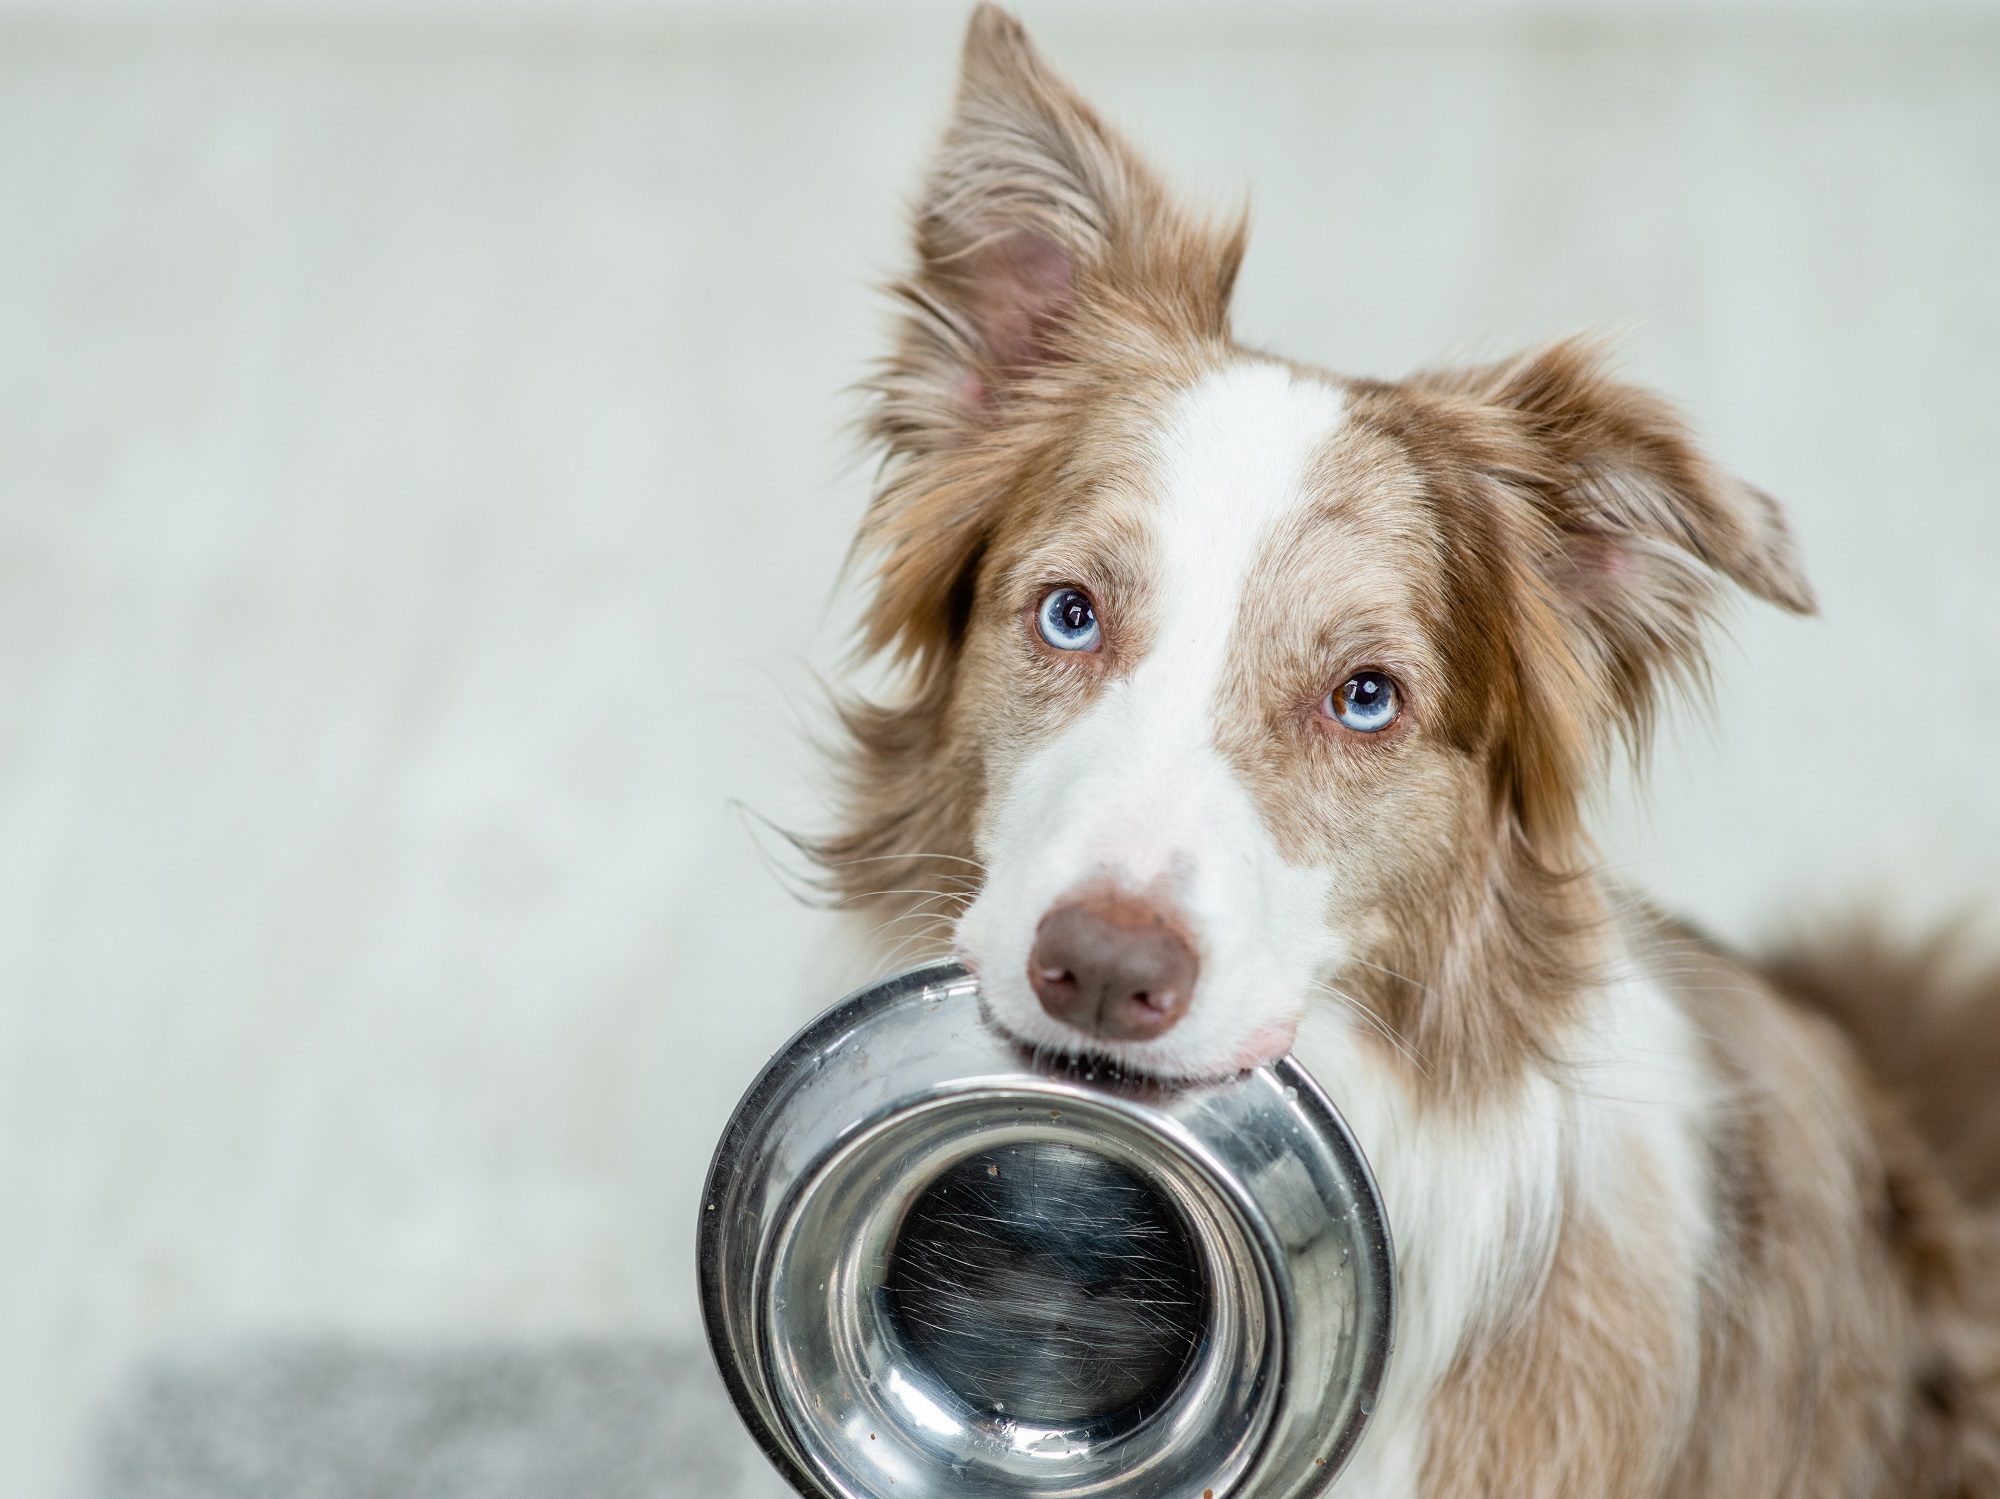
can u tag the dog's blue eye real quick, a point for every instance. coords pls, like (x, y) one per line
(1366, 702)
(1068, 620)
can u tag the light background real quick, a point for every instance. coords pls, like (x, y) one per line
(423, 479)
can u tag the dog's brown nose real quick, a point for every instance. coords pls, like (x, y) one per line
(1113, 965)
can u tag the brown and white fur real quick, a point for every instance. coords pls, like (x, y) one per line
(1658, 1233)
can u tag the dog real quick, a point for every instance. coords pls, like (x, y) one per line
(1242, 708)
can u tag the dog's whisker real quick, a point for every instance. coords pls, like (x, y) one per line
(879, 894)
(1392, 973)
(937, 932)
(914, 945)
(922, 911)
(930, 922)
(913, 856)
(926, 908)
(1387, 1031)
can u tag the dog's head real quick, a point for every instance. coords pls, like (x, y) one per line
(1235, 687)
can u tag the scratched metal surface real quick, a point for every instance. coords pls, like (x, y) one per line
(1049, 1283)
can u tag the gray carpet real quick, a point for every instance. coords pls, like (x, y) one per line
(301, 1418)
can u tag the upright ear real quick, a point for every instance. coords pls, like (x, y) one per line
(1035, 216)
(1639, 524)
(1042, 241)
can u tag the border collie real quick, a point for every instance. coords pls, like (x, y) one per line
(1245, 708)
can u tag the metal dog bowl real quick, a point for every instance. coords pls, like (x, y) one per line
(933, 1264)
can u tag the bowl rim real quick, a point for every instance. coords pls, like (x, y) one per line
(740, 1369)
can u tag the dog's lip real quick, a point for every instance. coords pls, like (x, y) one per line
(1077, 1053)
(1269, 1044)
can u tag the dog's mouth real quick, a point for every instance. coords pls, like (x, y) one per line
(1127, 1068)
(1097, 1069)
(1082, 1058)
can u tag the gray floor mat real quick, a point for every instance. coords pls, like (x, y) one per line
(306, 1418)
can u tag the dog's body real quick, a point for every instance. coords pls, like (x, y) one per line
(1249, 709)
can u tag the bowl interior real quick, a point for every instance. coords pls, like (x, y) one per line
(1049, 1283)
(1023, 1299)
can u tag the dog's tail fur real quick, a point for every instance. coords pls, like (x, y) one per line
(1925, 1018)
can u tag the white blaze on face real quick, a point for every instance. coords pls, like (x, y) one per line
(1135, 794)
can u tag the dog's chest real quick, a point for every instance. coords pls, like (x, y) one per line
(1478, 1203)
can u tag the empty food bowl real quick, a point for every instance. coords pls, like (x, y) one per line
(935, 1263)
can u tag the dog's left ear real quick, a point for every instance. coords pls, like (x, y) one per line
(1628, 480)
(1638, 522)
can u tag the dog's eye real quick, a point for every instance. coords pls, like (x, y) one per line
(1068, 620)
(1366, 702)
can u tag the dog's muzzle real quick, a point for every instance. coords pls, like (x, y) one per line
(933, 1265)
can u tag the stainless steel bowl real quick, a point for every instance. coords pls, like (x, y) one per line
(932, 1263)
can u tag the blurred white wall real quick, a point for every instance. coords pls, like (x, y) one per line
(422, 486)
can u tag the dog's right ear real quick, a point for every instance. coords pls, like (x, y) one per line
(1040, 236)
(1033, 209)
